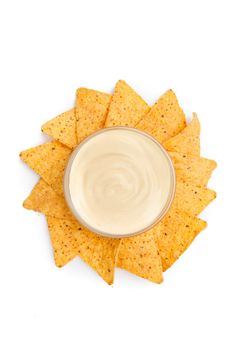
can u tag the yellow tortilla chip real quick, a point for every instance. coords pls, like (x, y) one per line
(91, 111)
(63, 241)
(98, 252)
(63, 128)
(192, 199)
(126, 108)
(165, 119)
(174, 234)
(48, 160)
(188, 140)
(139, 255)
(192, 169)
(45, 200)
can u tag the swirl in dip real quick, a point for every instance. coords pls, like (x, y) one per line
(119, 182)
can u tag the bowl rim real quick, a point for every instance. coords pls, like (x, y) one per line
(66, 186)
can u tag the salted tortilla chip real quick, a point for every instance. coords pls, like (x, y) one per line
(188, 140)
(165, 119)
(91, 111)
(139, 255)
(63, 128)
(126, 108)
(192, 199)
(48, 160)
(192, 169)
(45, 200)
(174, 234)
(98, 252)
(63, 241)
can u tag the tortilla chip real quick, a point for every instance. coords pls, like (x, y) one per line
(98, 252)
(45, 200)
(192, 199)
(165, 119)
(63, 241)
(192, 169)
(174, 234)
(63, 128)
(126, 108)
(139, 255)
(48, 160)
(188, 140)
(91, 111)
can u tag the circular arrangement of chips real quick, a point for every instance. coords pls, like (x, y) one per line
(148, 254)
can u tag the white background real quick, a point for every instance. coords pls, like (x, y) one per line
(48, 49)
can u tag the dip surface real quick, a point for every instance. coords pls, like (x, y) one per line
(119, 182)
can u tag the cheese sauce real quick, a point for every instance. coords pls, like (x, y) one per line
(119, 182)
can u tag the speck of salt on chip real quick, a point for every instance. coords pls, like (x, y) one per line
(188, 140)
(45, 200)
(98, 252)
(126, 108)
(63, 128)
(165, 119)
(49, 161)
(91, 111)
(196, 170)
(174, 234)
(139, 255)
(191, 198)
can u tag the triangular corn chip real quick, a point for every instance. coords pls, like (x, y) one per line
(139, 255)
(174, 234)
(45, 200)
(48, 160)
(63, 128)
(192, 169)
(165, 119)
(98, 252)
(91, 111)
(188, 140)
(192, 199)
(63, 241)
(126, 108)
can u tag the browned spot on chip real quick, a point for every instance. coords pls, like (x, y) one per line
(165, 118)
(174, 234)
(91, 111)
(98, 252)
(192, 169)
(48, 160)
(139, 255)
(126, 107)
(63, 128)
(188, 140)
(45, 200)
(192, 199)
